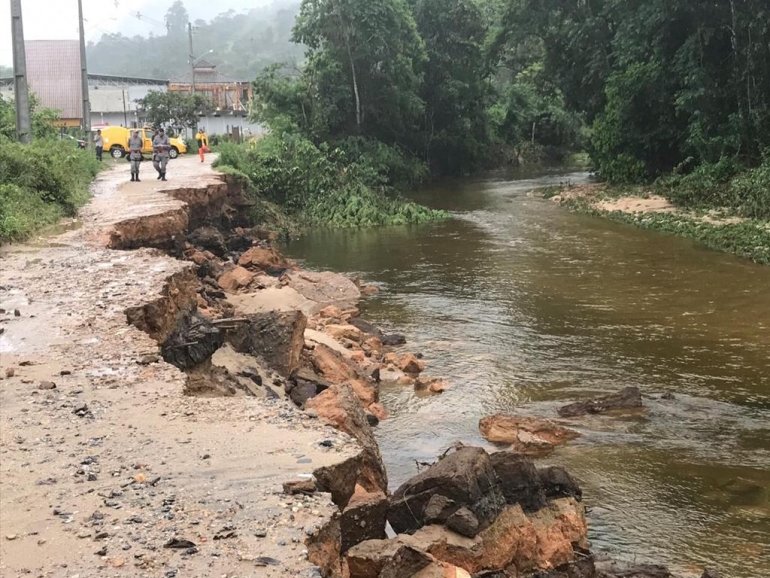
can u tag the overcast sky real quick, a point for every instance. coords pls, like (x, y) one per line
(58, 19)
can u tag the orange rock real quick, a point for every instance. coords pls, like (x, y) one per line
(370, 290)
(365, 391)
(340, 332)
(202, 304)
(430, 385)
(235, 278)
(331, 312)
(332, 365)
(378, 410)
(262, 258)
(542, 540)
(358, 356)
(198, 258)
(410, 364)
(372, 344)
(528, 435)
(391, 358)
(209, 255)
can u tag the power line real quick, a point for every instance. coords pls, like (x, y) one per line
(151, 21)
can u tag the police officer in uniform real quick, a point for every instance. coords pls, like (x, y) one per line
(135, 154)
(161, 147)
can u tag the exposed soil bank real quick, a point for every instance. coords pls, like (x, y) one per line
(748, 238)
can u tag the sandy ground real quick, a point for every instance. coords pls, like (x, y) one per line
(99, 474)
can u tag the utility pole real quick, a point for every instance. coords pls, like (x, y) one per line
(21, 90)
(84, 79)
(192, 59)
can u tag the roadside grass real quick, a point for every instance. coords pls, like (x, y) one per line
(41, 183)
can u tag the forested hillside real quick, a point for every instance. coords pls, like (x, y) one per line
(243, 44)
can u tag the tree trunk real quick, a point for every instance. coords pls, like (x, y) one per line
(346, 33)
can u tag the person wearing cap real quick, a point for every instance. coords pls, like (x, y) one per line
(135, 154)
(161, 149)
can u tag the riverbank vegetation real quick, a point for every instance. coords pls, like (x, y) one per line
(42, 182)
(674, 92)
(392, 92)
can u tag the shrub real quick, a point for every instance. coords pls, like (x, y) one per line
(41, 182)
(321, 185)
(751, 192)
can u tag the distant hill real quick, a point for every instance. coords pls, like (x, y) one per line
(242, 44)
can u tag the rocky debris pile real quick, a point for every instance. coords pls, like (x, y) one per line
(527, 435)
(473, 512)
(627, 399)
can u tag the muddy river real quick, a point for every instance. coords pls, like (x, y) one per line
(525, 306)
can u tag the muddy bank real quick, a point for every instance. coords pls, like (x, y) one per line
(180, 399)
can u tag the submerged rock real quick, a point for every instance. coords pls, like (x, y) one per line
(527, 435)
(629, 398)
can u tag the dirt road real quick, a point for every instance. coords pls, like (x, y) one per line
(106, 468)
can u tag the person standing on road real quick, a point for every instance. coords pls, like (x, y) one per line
(135, 154)
(99, 145)
(161, 147)
(203, 143)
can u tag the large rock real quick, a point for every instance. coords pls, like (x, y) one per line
(629, 398)
(325, 288)
(209, 239)
(558, 483)
(234, 279)
(264, 259)
(193, 341)
(466, 477)
(363, 519)
(340, 407)
(304, 384)
(519, 480)
(407, 561)
(367, 559)
(526, 543)
(324, 549)
(340, 479)
(337, 369)
(276, 337)
(527, 435)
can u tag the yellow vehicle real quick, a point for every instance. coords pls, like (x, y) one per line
(116, 141)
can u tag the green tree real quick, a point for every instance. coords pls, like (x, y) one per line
(455, 84)
(173, 108)
(365, 60)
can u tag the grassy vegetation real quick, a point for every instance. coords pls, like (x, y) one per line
(40, 183)
(318, 185)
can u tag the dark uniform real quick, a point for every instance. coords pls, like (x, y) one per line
(135, 155)
(161, 147)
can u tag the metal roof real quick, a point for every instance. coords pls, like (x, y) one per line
(117, 80)
(53, 71)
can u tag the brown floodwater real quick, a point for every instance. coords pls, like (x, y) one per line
(525, 306)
